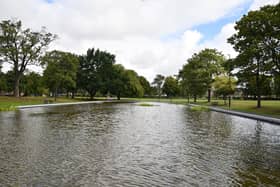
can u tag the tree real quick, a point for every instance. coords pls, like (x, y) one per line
(158, 82)
(145, 85)
(118, 81)
(32, 84)
(194, 77)
(133, 88)
(224, 86)
(95, 71)
(256, 40)
(212, 63)
(170, 86)
(21, 47)
(125, 83)
(3, 81)
(61, 70)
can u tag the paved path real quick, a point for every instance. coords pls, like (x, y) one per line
(244, 114)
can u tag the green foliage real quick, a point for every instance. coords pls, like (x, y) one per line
(145, 85)
(256, 38)
(249, 87)
(133, 87)
(21, 47)
(145, 104)
(158, 82)
(95, 71)
(125, 83)
(224, 85)
(198, 75)
(61, 70)
(170, 86)
(32, 84)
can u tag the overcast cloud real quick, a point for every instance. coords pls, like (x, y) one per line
(149, 36)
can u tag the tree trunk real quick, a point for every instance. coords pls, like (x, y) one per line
(229, 101)
(119, 97)
(55, 94)
(16, 86)
(194, 98)
(258, 85)
(73, 95)
(209, 95)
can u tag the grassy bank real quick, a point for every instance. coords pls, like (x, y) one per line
(269, 108)
(10, 103)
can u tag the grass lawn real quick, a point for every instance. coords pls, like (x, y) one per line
(269, 108)
(10, 103)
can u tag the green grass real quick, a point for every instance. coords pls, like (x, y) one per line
(269, 107)
(145, 104)
(10, 103)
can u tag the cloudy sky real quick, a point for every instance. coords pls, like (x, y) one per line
(149, 36)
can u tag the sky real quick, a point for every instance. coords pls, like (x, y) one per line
(149, 36)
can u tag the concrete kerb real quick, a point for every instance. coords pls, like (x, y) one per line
(61, 104)
(244, 114)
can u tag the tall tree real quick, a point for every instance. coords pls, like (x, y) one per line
(95, 71)
(170, 86)
(224, 86)
(61, 70)
(125, 83)
(256, 39)
(212, 63)
(32, 84)
(21, 47)
(193, 77)
(158, 82)
(145, 84)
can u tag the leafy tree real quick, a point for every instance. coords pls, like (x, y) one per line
(170, 86)
(145, 85)
(133, 86)
(61, 70)
(95, 71)
(256, 40)
(125, 83)
(248, 85)
(194, 77)
(21, 47)
(118, 82)
(3, 82)
(158, 82)
(276, 85)
(224, 86)
(212, 63)
(9, 78)
(32, 84)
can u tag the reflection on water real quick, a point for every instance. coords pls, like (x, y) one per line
(131, 145)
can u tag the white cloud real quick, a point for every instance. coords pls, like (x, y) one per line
(259, 3)
(131, 29)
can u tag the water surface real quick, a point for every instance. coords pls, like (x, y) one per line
(131, 145)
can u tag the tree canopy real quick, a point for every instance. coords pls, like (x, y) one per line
(22, 47)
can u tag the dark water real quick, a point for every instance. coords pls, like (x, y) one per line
(131, 145)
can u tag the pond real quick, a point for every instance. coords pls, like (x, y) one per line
(131, 145)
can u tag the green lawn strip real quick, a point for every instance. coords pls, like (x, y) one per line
(269, 108)
(11, 103)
